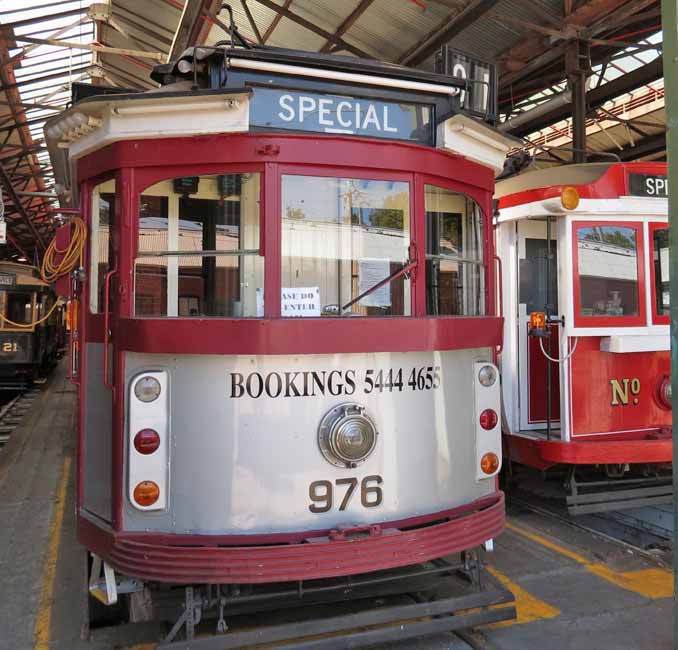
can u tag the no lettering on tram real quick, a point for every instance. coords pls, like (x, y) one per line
(287, 320)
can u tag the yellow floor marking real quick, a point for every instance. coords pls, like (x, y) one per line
(651, 583)
(43, 623)
(528, 607)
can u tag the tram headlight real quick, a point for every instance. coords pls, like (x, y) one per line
(147, 389)
(487, 375)
(570, 198)
(347, 435)
(665, 392)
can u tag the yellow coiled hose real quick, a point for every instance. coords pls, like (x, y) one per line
(50, 270)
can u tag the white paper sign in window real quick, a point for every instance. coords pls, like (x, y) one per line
(301, 302)
(371, 271)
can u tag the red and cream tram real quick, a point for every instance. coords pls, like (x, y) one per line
(287, 328)
(585, 363)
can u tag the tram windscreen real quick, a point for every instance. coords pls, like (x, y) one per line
(341, 237)
(18, 308)
(454, 254)
(608, 270)
(198, 248)
(660, 250)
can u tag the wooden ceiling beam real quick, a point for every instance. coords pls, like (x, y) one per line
(312, 27)
(453, 25)
(360, 9)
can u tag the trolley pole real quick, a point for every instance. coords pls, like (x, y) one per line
(670, 54)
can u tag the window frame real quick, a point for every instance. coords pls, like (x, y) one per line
(350, 172)
(656, 318)
(89, 193)
(477, 195)
(609, 321)
(150, 177)
(29, 327)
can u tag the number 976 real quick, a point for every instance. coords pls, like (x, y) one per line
(324, 494)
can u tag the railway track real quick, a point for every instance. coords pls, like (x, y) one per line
(627, 530)
(14, 411)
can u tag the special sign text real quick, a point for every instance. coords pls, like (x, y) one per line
(312, 383)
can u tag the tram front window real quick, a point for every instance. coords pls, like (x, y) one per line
(341, 237)
(198, 248)
(608, 270)
(454, 254)
(660, 243)
(18, 308)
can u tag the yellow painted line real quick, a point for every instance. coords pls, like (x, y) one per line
(529, 608)
(43, 623)
(651, 583)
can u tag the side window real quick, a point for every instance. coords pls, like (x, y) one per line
(455, 275)
(344, 240)
(607, 264)
(660, 256)
(18, 308)
(198, 248)
(101, 245)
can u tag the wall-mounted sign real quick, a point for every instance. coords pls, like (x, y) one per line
(7, 279)
(656, 185)
(305, 111)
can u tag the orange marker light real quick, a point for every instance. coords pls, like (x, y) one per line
(537, 320)
(489, 463)
(569, 198)
(146, 493)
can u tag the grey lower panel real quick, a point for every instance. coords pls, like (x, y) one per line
(98, 435)
(245, 464)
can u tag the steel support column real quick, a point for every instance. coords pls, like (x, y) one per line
(670, 39)
(577, 67)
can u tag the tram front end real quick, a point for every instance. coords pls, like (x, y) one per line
(287, 334)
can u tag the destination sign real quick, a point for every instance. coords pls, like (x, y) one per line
(304, 111)
(656, 185)
(7, 279)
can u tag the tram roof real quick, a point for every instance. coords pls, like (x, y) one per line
(583, 174)
(24, 275)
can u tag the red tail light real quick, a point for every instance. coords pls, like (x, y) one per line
(146, 441)
(488, 419)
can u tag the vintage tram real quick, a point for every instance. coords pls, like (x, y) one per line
(287, 328)
(585, 363)
(30, 326)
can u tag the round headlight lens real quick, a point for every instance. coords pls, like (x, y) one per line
(487, 375)
(668, 391)
(353, 439)
(147, 389)
(347, 435)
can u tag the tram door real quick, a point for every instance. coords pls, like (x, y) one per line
(533, 296)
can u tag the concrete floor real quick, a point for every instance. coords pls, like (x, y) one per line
(573, 590)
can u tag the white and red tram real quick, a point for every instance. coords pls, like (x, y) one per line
(287, 330)
(584, 249)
